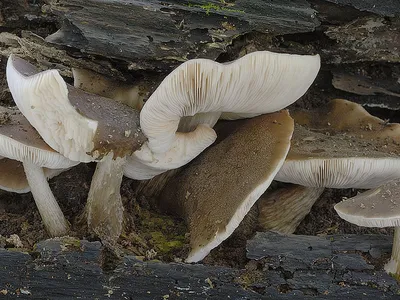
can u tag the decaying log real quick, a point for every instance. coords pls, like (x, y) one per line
(175, 30)
(280, 267)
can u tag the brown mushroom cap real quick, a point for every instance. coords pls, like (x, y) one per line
(217, 190)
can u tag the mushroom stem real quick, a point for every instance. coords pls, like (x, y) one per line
(104, 206)
(393, 266)
(52, 216)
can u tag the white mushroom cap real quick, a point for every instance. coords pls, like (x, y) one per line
(258, 83)
(379, 207)
(217, 190)
(199, 91)
(144, 164)
(79, 125)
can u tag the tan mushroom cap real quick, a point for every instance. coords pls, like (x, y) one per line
(341, 146)
(13, 178)
(344, 116)
(379, 207)
(218, 189)
(81, 126)
(338, 161)
(95, 83)
(20, 141)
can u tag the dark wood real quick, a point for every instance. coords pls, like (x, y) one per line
(330, 266)
(148, 31)
(280, 267)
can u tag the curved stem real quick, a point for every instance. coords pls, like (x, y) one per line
(52, 216)
(104, 205)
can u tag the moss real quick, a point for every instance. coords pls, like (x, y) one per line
(162, 233)
(70, 243)
(209, 7)
(249, 278)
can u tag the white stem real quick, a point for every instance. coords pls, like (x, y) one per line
(52, 216)
(393, 266)
(104, 206)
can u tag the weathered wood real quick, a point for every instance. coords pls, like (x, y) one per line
(69, 270)
(282, 267)
(330, 266)
(140, 31)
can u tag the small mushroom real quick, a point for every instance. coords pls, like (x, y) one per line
(258, 83)
(20, 141)
(83, 127)
(283, 209)
(216, 191)
(379, 207)
(342, 153)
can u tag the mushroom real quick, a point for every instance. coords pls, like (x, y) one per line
(258, 83)
(216, 191)
(283, 209)
(379, 207)
(83, 127)
(20, 141)
(355, 151)
(343, 116)
(95, 83)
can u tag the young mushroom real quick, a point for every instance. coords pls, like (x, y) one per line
(258, 83)
(216, 191)
(20, 141)
(82, 127)
(346, 153)
(379, 207)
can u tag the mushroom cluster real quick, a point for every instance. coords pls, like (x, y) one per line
(337, 146)
(176, 121)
